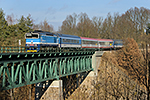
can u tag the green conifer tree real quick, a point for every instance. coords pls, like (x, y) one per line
(25, 24)
(22, 25)
(3, 27)
(29, 23)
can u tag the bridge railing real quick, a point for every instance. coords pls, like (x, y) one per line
(21, 49)
(12, 49)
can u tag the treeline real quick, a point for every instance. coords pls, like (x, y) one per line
(134, 23)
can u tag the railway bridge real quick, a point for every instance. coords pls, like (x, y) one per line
(19, 68)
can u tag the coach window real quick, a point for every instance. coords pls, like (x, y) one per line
(64, 40)
(74, 41)
(94, 43)
(102, 43)
(68, 41)
(84, 42)
(89, 42)
(107, 43)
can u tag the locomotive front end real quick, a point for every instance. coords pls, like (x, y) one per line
(32, 42)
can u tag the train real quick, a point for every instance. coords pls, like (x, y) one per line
(41, 39)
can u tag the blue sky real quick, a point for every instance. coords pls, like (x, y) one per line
(56, 11)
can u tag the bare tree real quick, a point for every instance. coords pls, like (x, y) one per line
(107, 27)
(69, 25)
(45, 26)
(122, 74)
(85, 26)
(135, 63)
(97, 21)
(10, 19)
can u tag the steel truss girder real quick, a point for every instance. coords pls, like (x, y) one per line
(17, 73)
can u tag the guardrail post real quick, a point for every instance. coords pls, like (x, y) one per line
(10, 48)
(19, 49)
(1, 49)
(5, 49)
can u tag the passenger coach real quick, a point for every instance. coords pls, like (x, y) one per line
(89, 42)
(105, 43)
(69, 41)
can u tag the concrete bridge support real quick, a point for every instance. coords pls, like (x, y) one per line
(89, 81)
(54, 91)
(95, 63)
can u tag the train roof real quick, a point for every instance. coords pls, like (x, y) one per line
(85, 38)
(43, 33)
(117, 40)
(66, 35)
(110, 40)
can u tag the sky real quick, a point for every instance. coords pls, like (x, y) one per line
(56, 11)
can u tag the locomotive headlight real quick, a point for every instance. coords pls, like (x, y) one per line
(35, 45)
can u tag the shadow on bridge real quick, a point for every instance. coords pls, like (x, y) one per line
(70, 84)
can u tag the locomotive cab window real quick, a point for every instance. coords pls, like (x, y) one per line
(29, 35)
(34, 35)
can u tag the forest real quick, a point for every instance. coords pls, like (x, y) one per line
(134, 23)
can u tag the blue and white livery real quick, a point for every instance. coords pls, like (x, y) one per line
(40, 39)
(37, 39)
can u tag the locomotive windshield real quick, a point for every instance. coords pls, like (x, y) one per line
(32, 35)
